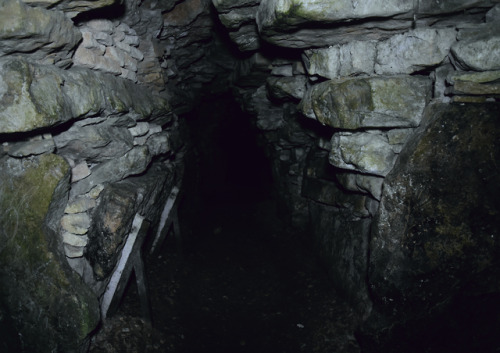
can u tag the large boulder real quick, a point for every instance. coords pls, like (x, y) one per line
(436, 234)
(49, 307)
(368, 102)
(38, 96)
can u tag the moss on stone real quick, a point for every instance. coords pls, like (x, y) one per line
(49, 305)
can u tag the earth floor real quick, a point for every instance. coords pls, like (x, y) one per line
(243, 282)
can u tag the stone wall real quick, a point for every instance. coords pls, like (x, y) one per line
(380, 120)
(346, 95)
(88, 140)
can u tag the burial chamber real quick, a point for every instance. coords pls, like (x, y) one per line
(379, 122)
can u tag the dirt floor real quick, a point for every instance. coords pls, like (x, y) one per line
(244, 282)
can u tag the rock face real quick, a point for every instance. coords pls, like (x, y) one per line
(39, 290)
(377, 118)
(441, 240)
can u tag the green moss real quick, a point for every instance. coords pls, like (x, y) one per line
(48, 306)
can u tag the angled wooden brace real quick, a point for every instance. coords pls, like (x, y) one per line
(168, 218)
(130, 260)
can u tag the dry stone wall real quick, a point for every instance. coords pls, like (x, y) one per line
(88, 141)
(340, 91)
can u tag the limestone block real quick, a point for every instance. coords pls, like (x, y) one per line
(477, 83)
(282, 70)
(353, 58)
(123, 27)
(79, 171)
(129, 75)
(118, 35)
(153, 129)
(96, 191)
(104, 38)
(34, 147)
(140, 129)
(73, 251)
(246, 37)
(35, 32)
(226, 5)
(57, 96)
(288, 14)
(74, 239)
(269, 116)
(286, 88)
(80, 205)
(414, 50)
(115, 55)
(362, 183)
(133, 162)
(159, 143)
(101, 25)
(433, 7)
(480, 50)
(235, 18)
(54, 310)
(90, 42)
(493, 15)
(393, 101)
(366, 152)
(94, 143)
(76, 223)
(131, 40)
(184, 13)
(93, 59)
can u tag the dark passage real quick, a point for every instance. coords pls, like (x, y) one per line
(245, 281)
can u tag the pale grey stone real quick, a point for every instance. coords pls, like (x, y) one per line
(133, 162)
(90, 42)
(131, 40)
(79, 172)
(353, 58)
(75, 239)
(371, 102)
(73, 251)
(235, 18)
(480, 50)
(159, 143)
(36, 32)
(80, 204)
(96, 191)
(101, 25)
(123, 27)
(493, 15)
(362, 183)
(29, 148)
(288, 14)
(129, 75)
(77, 223)
(115, 55)
(57, 96)
(414, 50)
(283, 88)
(366, 152)
(282, 70)
(140, 129)
(104, 38)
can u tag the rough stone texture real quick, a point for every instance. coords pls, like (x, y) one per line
(368, 102)
(57, 96)
(133, 162)
(414, 50)
(42, 35)
(286, 88)
(367, 152)
(353, 58)
(111, 223)
(38, 290)
(436, 231)
(479, 49)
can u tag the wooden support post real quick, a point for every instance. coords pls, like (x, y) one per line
(168, 218)
(130, 260)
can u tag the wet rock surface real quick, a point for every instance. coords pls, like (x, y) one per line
(244, 282)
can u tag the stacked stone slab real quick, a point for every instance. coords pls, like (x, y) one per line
(83, 137)
(371, 77)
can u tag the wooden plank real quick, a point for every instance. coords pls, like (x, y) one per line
(130, 260)
(167, 219)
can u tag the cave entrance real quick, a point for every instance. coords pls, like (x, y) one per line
(244, 280)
